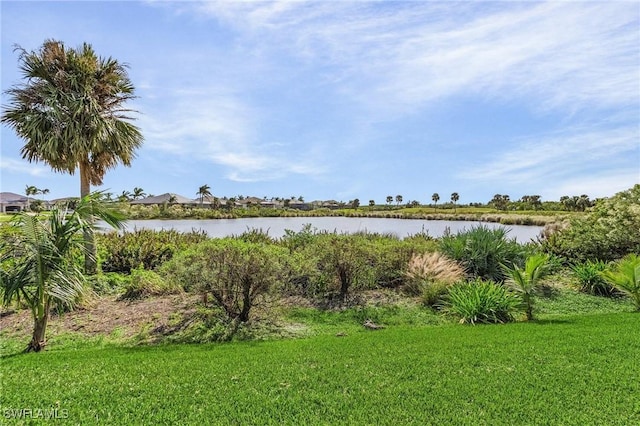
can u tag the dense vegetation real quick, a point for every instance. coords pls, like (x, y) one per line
(318, 285)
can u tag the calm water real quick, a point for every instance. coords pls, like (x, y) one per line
(276, 226)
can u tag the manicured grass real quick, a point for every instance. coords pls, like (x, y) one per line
(578, 370)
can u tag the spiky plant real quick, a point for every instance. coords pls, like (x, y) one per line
(625, 276)
(526, 281)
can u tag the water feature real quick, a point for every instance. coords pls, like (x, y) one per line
(276, 226)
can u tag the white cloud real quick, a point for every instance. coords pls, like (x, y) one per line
(567, 160)
(11, 165)
(601, 185)
(214, 126)
(559, 55)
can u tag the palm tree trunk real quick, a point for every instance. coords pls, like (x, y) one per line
(38, 340)
(89, 243)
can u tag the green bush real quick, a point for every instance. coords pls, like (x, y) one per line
(344, 264)
(481, 302)
(145, 283)
(482, 251)
(236, 273)
(591, 280)
(108, 283)
(607, 233)
(142, 248)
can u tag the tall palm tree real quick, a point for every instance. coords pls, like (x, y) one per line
(203, 191)
(435, 197)
(38, 265)
(71, 113)
(454, 199)
(398, 199)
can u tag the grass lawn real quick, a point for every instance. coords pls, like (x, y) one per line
(575, 370)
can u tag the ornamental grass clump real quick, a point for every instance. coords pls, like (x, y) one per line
(430, 274)
(481, 302)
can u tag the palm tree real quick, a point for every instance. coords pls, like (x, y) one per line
(71, 113)
(625, 276)
(203, 191)
(389, 199)
(29, 191)
(527, 281)
(138, 193)
(124, 197)
(38, 265)
(398, 199)
(372, 203)
(435, 197)
(454, 199)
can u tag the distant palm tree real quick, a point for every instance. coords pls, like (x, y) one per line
(435, 197)
(389, 199)
(454, 199)
(29, 191)
(71, 113)
(398, 199)
(124, 197)
(172, 199)
(372, 203)
(41, 255)
(203, 191)
(138, 193)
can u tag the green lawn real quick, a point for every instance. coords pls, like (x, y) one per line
(575, 370)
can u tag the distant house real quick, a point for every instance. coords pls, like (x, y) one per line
(328, 204)
(250, 201)
(14, 203)
(168, 198)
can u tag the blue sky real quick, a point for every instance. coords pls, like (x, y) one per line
(344, 100)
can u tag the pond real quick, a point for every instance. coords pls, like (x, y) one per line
(276, 226)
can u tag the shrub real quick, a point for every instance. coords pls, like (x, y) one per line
(108, 283)
(606, 233)
(344, 263)
(144, 283)
(482, 251)
(430, 274)
(591, 280)
(481, 302)
(625, 276)
(142, 248)
(235, 273)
